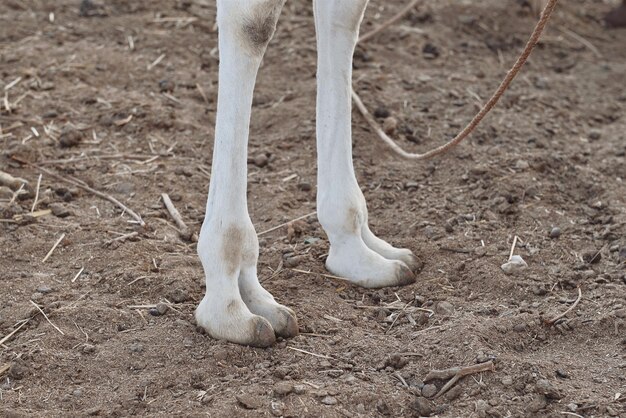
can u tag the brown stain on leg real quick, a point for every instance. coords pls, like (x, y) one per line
(232, 248)
(233, 306)
(258, 28)
(354, 220)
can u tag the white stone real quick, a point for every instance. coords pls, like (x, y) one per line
(515, 265)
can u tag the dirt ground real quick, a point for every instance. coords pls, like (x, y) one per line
(121, 96)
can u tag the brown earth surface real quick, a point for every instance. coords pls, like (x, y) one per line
(121, 96)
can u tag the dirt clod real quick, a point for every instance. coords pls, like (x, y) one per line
(444, 308)
(261, 160)
(249, 401)
(555, 232)
(70, 137)
(422, 406)
(429, 390)
(59, 210)
(546, 388)
(514, 266)
(283, 388)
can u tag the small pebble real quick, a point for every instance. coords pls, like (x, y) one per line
(382, 407)
(77, 392)
(136, 347)
(507, 380)
(305, 187)
(445, 308)
(546, 388)
(519, 327)
(329, 400)
(50, 114)
(166, 86)
(390, 125)
(594, 134)
(411, 185)
(160, 309)
(522, 165)
(396, 361)
(283, 388)
(44, 289)
(381, 112)
(562, 373)
(292, 262)
(36, 296)
(59, 210)
(89, 348)
(261, 160)
(428, 391)
(422, 406)
(453, 393)
(514, 266)
(179, 296)
(430, 51)
(249, 401)
(299, 389)
(555, 232)
(69, 137)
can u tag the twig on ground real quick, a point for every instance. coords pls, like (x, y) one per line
(571, 414)
(143, 158)
(329, 276)
(136, 280)
(513, 247)
(46, 316)
(398, 316)
(32, 209)
(570, 309)
(155, 62)
(408, 354)
(389, 22)
(78, 274)
(12, 333)
(19, 191)
(456, 250)
(457, 373)
(85, 187)
(171, 209)
(309, 353)
(202, 93)
(141, 306)
(398, 376)
(35, 214)
(267, 231)
(53, 247)
(122, 237)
